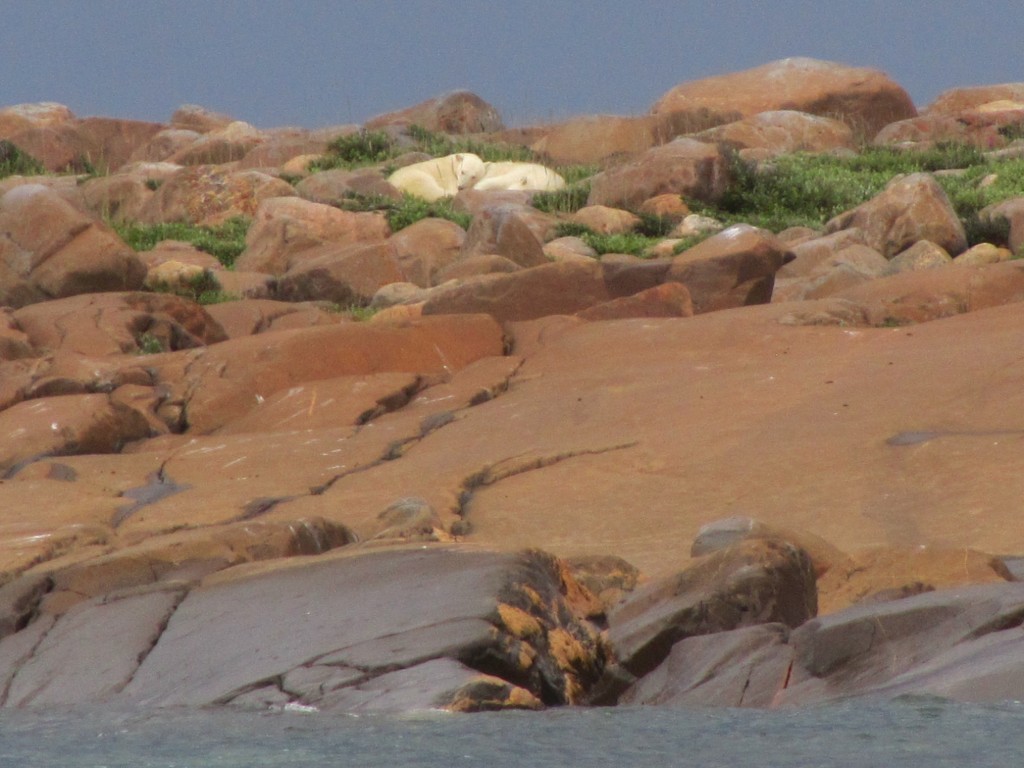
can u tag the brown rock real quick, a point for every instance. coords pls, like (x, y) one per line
(666, 300)
(48, 249)
(670, 207)
(276, 150)
(684, 167)
(248, 317)
(164, 145)
(425, 248)
(342, 274)
(811, 253)
(1013, 211)
(848, 267)
(219, 146)
(115, 323)
(456, 112)
(20, 117)
(782, 132)
(59, 426)
(119, 197)
(334, 186)
(957, 100)
(473, 266)
(552, 289)
(206, 194)
(984, 253)
(605, 220)
(510, 231)
(731, 269)
(865, 99)
(283, 227)
(910, 208)
(109, 142)
(923, 254)
(193, 117)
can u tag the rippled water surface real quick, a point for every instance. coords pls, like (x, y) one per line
(908, 732)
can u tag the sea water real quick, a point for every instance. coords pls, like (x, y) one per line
(906, 732)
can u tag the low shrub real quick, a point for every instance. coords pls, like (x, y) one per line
(224, 242)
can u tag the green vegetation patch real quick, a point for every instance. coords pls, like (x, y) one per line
(633, 243)
(225, 242)
(808, 190)
(410, 209)
(14, 162)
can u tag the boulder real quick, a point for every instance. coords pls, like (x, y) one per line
(666, 300)
(1013, 211)
(513, 231)
(910, 208)
(984, 253)
(848, 267)
(684, 167)
(48, 249)
(342, 274)
(205, 194)
(734, 268)
(560, 288)
(71, 424)
(276, 150)
(18, 117)
(251, 316)
(957, 100)
(865, 99)
(924, 254)
(165, 144)
(757, 581)
(425, 248)
(782, 132)
(193, 117)
(119, 197)
(117, 323)
(605, 220)
(457, 112)
(283, 227)
(335, 186)
(110, 143)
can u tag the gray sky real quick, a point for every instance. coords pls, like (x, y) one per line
(315, 63)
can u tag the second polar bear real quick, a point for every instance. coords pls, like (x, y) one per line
(531, 176)
(440, 177)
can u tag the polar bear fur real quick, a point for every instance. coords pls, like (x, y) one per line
(440, 177)
(529, 176)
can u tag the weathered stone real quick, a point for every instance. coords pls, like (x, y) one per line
(684, 167)
(341, 274)
(848, 267)
(742, 668)
(1013, 211)
(666, 300)
(568, 249)
(205, 194)
(865, 99)
(923, 254)
(752, 582)
(425, 248)
(376, 611)
(245, 318)
(983, 253)
(48, 250)
(334, 186)
(605, 220)
(560, 288)
(194, 117)
(733, 268)
(509, 231)
(474, 266)
(783, 131)
(957, 100)
(19, 117)
(285, 226)
(911, 208)
(457, 112)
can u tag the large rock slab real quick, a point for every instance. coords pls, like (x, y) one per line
(865, 99)
(49, 250)
(316, 628)
(782, 131)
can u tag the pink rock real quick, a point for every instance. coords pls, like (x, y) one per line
(456, 112)
(285, 226)
(865, 99)
(783, 131)
(910, 208)
(684, 167)
(515, 232)
(423, 249)
(51, 250)
(342, 274)
(733, 268)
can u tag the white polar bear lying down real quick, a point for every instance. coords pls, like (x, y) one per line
(519, 176)
(440, 177)
(445, 176)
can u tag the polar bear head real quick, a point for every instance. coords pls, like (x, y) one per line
(469, 169)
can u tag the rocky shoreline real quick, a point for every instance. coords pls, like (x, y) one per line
(387, 455)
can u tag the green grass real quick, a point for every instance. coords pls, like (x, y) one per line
(410, 209)
(364, 148)
(633, 243)
(567, 200)
(224, 242)
(14, 162)
(808, 190)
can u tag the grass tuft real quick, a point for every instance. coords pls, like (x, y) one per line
(224, 242)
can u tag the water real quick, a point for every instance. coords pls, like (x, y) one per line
(908, 732)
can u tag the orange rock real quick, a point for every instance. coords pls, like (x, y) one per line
(456, 112)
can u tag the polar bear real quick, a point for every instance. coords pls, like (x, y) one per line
(529, 176)
(440, 177)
